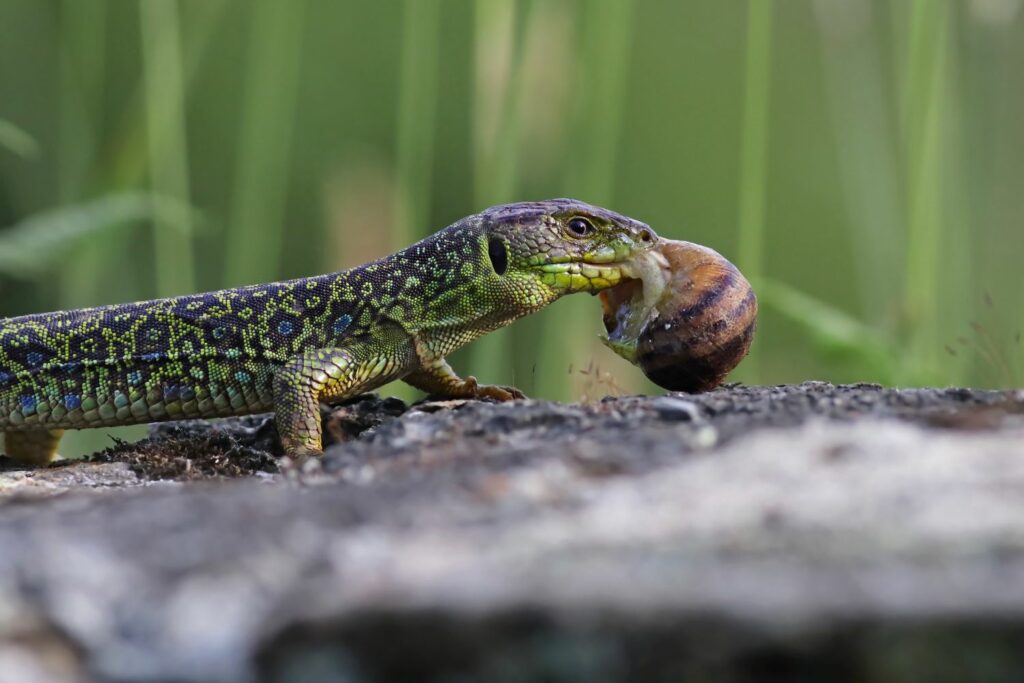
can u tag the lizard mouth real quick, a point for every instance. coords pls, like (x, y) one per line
(642, 275)
(583, 276)
(628, 304)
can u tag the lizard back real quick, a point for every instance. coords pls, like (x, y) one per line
(214, 354)
(197, 355)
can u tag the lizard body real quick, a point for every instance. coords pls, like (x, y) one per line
(288, 346)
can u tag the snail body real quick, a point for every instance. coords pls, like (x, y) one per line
(686, 319)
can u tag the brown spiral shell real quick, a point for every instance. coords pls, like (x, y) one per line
(701, 323)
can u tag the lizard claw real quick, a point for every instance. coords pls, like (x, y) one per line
(497, 392)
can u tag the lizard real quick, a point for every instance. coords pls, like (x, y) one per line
(287, 347)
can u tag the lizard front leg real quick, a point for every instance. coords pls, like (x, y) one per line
(438, 379)
(321, 375)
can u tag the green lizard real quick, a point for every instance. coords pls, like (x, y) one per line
(288, 346)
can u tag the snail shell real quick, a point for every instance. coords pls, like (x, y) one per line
(687, 319)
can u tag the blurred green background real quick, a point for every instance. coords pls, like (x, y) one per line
(861, 161)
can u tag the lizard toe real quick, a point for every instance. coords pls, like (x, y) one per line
(499, 393)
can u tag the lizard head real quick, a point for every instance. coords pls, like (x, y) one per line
(555, 247)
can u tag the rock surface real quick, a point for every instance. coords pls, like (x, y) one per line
(805, 532)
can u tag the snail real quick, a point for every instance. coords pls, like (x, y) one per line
(686, 318)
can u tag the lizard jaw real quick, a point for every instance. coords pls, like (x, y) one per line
(587, 276)
(577, 276)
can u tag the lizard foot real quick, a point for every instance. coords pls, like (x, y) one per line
(495, 391)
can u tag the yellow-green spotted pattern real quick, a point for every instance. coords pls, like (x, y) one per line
(288, 345)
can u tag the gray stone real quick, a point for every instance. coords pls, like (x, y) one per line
(806, 533)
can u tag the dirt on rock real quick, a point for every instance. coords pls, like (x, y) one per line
(213, 454)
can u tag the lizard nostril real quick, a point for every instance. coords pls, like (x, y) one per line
(646, 235)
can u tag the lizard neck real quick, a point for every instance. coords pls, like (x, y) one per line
(444, 287)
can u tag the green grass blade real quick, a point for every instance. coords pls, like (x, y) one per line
(37, 244)
(599, 104)
(924, 123)
(128, 154)
(18, 141)
(417, 112)
(256, 230)
(867, 149)
(81, 77)
(754, 151)
(166, 141)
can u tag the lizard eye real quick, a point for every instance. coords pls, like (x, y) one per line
(580, 227)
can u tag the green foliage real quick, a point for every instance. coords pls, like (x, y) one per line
(18, 141)
(858, 159)
(35, 246)
(837, 336)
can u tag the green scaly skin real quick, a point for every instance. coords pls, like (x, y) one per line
(288, 346)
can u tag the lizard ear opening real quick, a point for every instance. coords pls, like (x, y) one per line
(498, 254)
